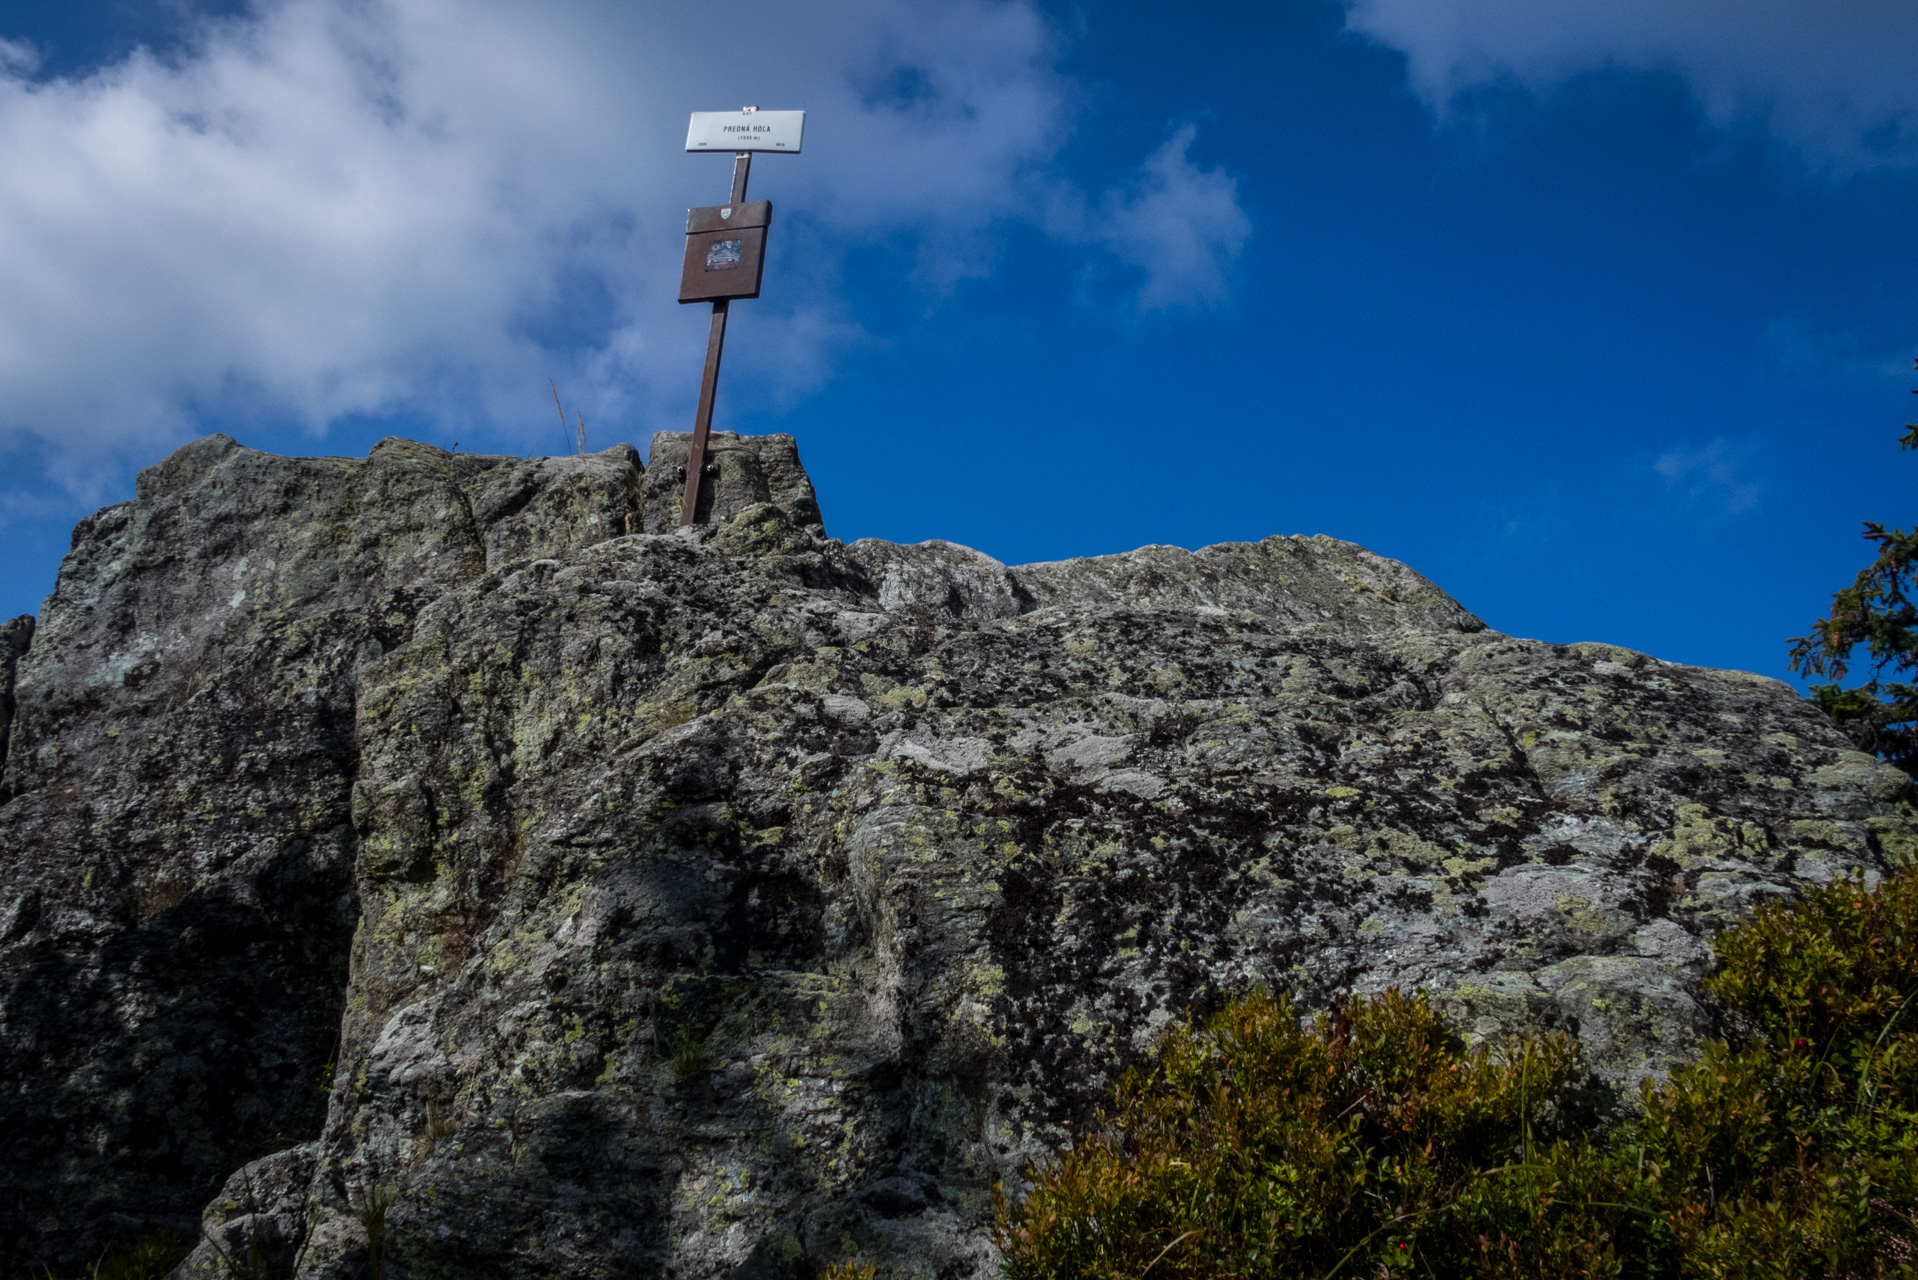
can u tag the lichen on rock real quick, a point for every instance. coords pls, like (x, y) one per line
(732, 900)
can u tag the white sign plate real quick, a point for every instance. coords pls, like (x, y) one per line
(746, 131)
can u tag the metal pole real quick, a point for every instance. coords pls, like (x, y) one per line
(703, 420)
(709, 382)
(742, 165)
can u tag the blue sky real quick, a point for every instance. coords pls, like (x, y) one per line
(1600, 313)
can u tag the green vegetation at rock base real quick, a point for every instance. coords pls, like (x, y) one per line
(1371, 1141)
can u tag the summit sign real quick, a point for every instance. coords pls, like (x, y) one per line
(725, 254)
(746, 131)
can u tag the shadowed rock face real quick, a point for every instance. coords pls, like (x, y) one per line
(15, 636)
(731, 900)
(176, 844)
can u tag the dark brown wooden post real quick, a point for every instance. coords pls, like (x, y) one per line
(709, 381)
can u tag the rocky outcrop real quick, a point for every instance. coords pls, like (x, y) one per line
(742, 471)
(731, 900)
(176, 847)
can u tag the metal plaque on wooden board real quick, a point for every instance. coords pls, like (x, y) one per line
(725, 251)
(746, 131)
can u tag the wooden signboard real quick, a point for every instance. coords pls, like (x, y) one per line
(725, 251)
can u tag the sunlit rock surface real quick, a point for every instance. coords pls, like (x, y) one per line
(730, 901)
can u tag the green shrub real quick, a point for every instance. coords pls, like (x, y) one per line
(1371, 1142)
(690, 1055)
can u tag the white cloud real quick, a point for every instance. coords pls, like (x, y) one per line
(1709, 475)
(18, 59)
(366, 206)
(1833, 79)
(1177, 224)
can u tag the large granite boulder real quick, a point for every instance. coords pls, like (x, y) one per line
(730, 900)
